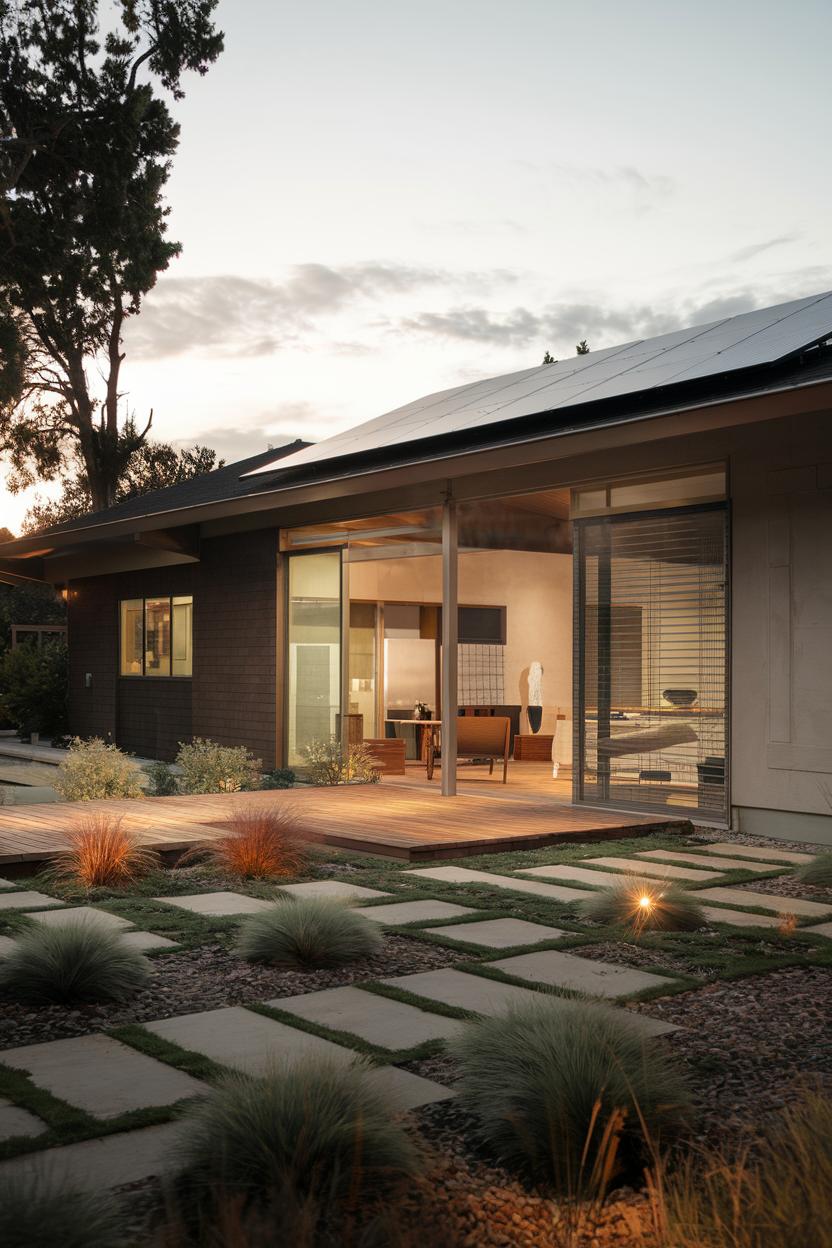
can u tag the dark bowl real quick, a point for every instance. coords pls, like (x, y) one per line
(680, 697)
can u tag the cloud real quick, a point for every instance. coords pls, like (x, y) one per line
(756, 249)
(559, 325)
(240, 316)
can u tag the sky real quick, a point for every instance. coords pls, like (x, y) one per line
(379, 199)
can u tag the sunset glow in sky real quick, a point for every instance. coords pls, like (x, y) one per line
(377, 200)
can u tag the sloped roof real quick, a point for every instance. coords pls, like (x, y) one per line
(646, 367)
(230, 481)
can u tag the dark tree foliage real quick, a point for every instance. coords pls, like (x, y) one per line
(27, 604)
(86, 143)
(582, 348)
(153, 466)
(33, 688)
(548, 358)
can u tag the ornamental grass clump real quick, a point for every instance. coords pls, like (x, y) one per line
(308, 932)
(260, 843)
(101, 853)
(776, 1196)
(645, 906)
(817, 872)
(207, 767)
(73, 962)
(568, 1094)
(38, 1213)
(312, 1131)
(93, 769)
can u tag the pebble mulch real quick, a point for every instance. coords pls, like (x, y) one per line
(204, 979)
(749, 1044)
(788, 886)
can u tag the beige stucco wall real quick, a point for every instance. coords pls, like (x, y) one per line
(536, 590)
(782, 623)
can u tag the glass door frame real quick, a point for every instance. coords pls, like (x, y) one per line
(284, 641)
(579, 524)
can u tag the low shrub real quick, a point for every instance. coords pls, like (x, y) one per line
(94, 769)
(568, 1094)
(76, 962)
(211, 768)
(36, 1213)
(308, 1132)
(778, 1199)
(163, 781)
(645, 906)
(34, 684)
(102, 853)
(280, 778)
(818, 871)
(309, 932)
(259, 844)
(327, 762)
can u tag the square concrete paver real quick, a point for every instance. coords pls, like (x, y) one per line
(414, 912)
(406, 1090)
(243, 1040)
(74, 915)
(466, 992)
(101, 1075)
(635, 865)
(739, 918)
(26, 901)
(6, 884)
(15, 1120)
(7, 945)
(95, 1165)
(255, 1044)
(565, 970)
(379, 1020)
(336, 890)
(819, 929)
(765, 853)
(218, 905)
(490, 997)
(463, 875)
(766, 901)
(147, 942)
(499, 933)
(703, 860)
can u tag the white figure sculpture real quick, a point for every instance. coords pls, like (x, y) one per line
(535, 684)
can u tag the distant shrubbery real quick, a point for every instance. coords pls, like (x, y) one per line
(280, 778)
(211, 768)
(327, 762)
(162, 779)
(33, 681)
(93, 769)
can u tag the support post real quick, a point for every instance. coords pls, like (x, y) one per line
(450, 638)
(344, 733)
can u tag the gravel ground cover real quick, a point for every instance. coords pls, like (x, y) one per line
(205, 978)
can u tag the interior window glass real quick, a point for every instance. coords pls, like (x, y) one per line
(131, 637)
(182, 642)
(157, 637)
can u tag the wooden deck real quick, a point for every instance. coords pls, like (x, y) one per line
(403, 817)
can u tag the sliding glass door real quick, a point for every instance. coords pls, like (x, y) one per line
(314, 630)
(650, 661)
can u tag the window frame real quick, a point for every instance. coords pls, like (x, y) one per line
(170, 599)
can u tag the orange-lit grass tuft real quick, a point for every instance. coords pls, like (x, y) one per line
(260, 843)
(644, 906)
(102, 852)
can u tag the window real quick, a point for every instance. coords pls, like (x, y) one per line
(673, 489)
(156, 636)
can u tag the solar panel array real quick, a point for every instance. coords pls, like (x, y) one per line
(752, 338)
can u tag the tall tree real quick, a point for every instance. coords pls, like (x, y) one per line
(153, 466)
(582, 348)
(86, 142)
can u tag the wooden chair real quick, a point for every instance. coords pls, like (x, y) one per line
(478, 738)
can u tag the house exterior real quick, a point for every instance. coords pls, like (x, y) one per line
(651, 524)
